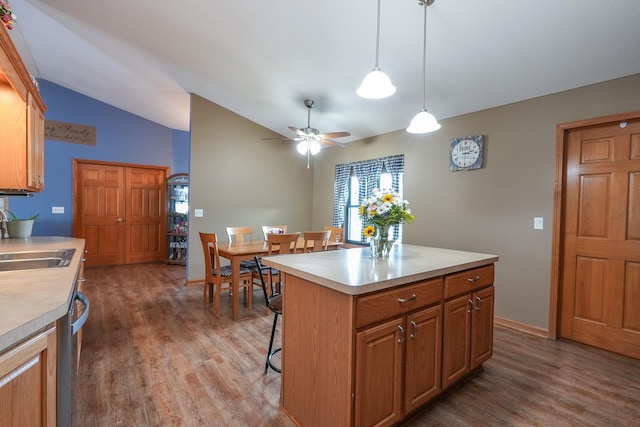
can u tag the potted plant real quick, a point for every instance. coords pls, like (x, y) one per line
(20, 228)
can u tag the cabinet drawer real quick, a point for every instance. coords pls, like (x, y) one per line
(387, 304)
(468, 281)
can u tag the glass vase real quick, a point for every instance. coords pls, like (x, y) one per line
(381, 243)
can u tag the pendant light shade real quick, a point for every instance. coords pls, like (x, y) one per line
(424, 122)
(376, 84)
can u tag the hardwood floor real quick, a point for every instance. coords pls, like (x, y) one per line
(153, 356)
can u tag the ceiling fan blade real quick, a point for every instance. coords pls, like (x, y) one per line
(296, 131)
(278, 138)
(335, 135)
(330, 143)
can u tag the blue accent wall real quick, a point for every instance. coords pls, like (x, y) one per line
(121, 137)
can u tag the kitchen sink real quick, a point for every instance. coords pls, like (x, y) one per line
(30, 260)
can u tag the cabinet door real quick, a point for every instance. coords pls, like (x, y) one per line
(35, 146)
(379, 362)
(456, 339)
(482, 327)
(28, 382)
(423, 357)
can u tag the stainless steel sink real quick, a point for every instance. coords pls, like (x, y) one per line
(29, 260)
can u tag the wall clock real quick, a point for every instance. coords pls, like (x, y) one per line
(466, 153)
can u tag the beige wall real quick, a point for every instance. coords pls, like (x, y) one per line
(238, 179)
(489, 210)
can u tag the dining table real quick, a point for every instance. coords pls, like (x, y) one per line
(236, 252)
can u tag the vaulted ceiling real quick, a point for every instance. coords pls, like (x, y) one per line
(261, 59)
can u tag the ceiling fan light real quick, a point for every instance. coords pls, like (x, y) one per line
(423, 122)
(302, 147)
(314, 147)
(376, 85)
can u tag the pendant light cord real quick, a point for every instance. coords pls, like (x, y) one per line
(377, 37)
(425, 4)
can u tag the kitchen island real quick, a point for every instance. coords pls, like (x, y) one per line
(370, 342)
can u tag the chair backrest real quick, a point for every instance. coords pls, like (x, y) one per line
(240, 234)
(337, 233)
(266, 229)
(268, 293)
(320, 240)
(287, 243)
(211, 258)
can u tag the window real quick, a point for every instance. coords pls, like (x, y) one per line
(354, 182)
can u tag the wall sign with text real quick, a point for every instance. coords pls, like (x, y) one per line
(70, 132)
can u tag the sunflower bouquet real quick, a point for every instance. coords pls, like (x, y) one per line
(383, 209)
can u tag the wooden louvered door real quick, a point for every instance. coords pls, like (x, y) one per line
(119, 211)
(600, 286)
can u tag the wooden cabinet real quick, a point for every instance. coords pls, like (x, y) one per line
(397, 362)
(177, 218)
(468, 323)
(28, 382)
(35, 145)
(21, 123)
(397, 367)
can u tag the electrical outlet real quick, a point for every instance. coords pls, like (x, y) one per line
(198, 213)
(538, 223)
(57, 209)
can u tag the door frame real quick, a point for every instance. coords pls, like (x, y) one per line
(557, 250)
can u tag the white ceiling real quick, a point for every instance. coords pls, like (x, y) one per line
(260, 59)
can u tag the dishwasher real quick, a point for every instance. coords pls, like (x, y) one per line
(67, 364)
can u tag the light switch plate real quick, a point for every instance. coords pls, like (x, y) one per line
(198, 213)
(538, 223)
(57, 209)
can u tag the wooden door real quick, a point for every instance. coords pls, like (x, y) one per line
(600, 282)
(456, 338)
(423, 357)
(119, 211)
(379, 362)
(144, 218)
(99, 212)
(482, 327)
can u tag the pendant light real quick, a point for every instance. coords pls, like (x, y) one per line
(424, 121)
(376, 84)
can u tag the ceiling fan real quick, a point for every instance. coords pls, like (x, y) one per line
(309, 139)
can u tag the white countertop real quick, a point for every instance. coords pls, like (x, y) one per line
(354, 272)
(32, 299)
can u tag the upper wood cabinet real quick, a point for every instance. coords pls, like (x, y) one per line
(21, 123)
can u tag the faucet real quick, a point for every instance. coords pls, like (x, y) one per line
(3, 225)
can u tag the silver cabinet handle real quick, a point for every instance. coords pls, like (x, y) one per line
(470, 306)
(473, 279)
(479, 303)
(414, 326)
(401, 339)
(411, 298)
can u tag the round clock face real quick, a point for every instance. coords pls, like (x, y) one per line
(465, 153)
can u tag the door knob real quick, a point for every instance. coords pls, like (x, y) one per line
(119, 220)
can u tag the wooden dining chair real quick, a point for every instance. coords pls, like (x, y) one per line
(286, 243)
(266, 229)
(337, 233)
(243, 234)
(216, 275)
(316, 241)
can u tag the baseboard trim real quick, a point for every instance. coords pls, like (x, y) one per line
(194, 282)
(522, 327)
